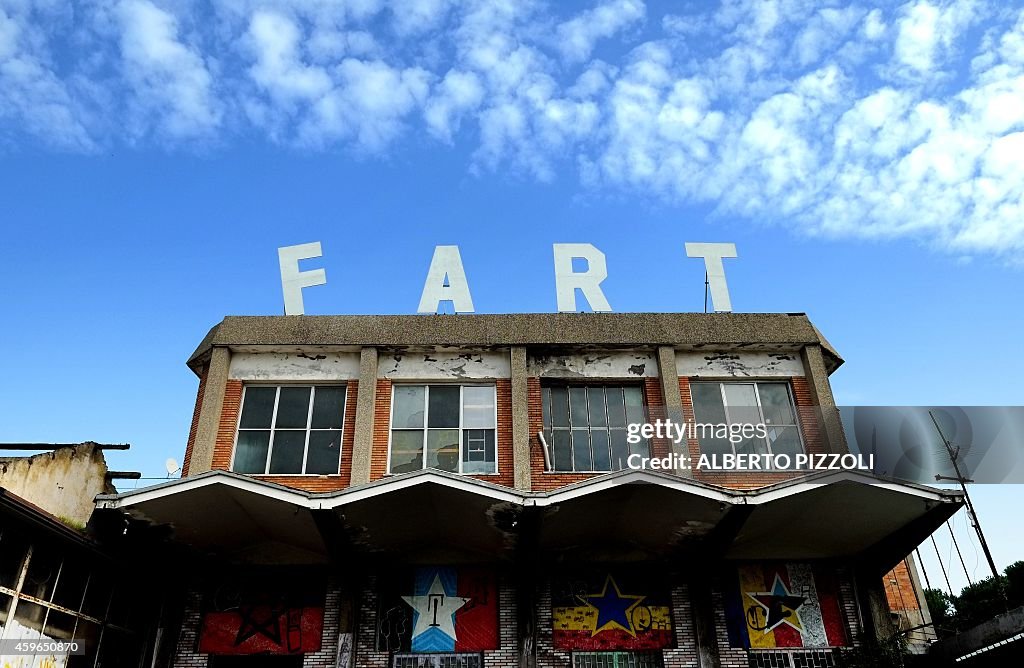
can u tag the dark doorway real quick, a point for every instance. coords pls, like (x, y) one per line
(256, 661)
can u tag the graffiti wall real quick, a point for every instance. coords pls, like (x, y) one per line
(269, 615)
(625, 609)
(785, 605)
(438, 609)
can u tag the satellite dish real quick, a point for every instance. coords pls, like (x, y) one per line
(171, 465)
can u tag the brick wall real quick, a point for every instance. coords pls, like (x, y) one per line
(381, 430)
(366, 653)
(227, 425)
(684, 654)
(328, 654)
(185, 654)
(507, 654)
(195, 422)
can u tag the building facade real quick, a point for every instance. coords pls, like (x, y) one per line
(451, 491)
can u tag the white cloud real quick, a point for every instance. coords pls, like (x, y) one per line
(169, 80)
(578, 36)
(926, 33)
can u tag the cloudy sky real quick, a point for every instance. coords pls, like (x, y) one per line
(866, 160)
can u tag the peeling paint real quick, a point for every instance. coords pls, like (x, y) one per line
(447, 364)
(294, 367)
(612, 364)
(734, 364)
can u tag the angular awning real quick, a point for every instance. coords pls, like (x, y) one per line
(434, 516)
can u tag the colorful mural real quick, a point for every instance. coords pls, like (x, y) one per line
(263, 618)
(604, 610)
(439, 609)
(785, 605)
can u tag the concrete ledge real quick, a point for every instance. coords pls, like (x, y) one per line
(537, 329)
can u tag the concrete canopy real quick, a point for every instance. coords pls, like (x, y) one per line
(434, 517)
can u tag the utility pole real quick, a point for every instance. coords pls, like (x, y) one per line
(954, 456)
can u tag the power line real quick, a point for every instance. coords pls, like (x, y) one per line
(957, 546)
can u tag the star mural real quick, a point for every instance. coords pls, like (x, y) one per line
(433, 614)
(780, 606)
(614, 609)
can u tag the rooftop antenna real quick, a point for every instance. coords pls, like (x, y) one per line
(972, 516)
(172, 466)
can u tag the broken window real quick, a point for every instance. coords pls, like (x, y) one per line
(290, 429)
(768, 403)
(585, 426)
(447, 427)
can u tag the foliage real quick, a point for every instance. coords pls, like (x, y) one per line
(976, 602)
(872, 653)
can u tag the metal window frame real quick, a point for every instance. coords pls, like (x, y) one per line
(551, 429)
(273, 426)
(426, 421)
(756, 382)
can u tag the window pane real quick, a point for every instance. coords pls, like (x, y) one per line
(328, 407)
(741, 404)
(477, 407)
(561, 455)
(707, 403)
(581, 460)
(259, 408)
(89, 634)
(595, 403)
(97, 595)
(42, 574)
(29, 615)
(286, 455)
(251, 451)
(59, 626)
(559, 407)
(406, 451)
(620, 450)
(408, 410)
(616, 407)
(775, 403)
(443, 449)
(12, 550)
(599, 444)
(634, 404)
(324, 452)
(70, 585)
(578, 406)
(293, 408)
(784, 440)
(478, 451)
(752, 446)
(444, 406)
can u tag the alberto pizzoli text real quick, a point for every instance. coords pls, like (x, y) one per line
(677, 432)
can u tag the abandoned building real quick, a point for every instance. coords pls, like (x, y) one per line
(451, 491)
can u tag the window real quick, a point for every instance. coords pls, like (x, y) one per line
(585, 426)
(747, 403)
(290, 429)
(447, 427)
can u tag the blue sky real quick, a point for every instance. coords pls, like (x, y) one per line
(153, 156)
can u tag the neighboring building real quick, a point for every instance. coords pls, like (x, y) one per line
(57, 582)
(450, 491)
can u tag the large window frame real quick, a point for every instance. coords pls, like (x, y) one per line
(553, 433)
(462, 428)
(308, 429)
(757, 384)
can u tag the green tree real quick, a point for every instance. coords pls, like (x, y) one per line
(943, 612)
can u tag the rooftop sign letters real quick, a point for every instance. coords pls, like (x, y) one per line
(446, 279)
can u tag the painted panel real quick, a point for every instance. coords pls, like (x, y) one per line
(623, 609)
(294, 367)
(251, 618)
(15, 630)
(785, 605)
(604, 364)
(443, 365)
(439, 609)
(731, 364)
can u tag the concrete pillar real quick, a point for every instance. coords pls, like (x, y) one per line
(366, 399)
(520, 419)
(669, 376)
(821, 393)
(209, 413)
(703, 609)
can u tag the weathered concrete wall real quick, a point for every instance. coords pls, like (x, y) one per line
(597, 364)
(63, 482)
(443, 364)
(733, 364)
(294, 367)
